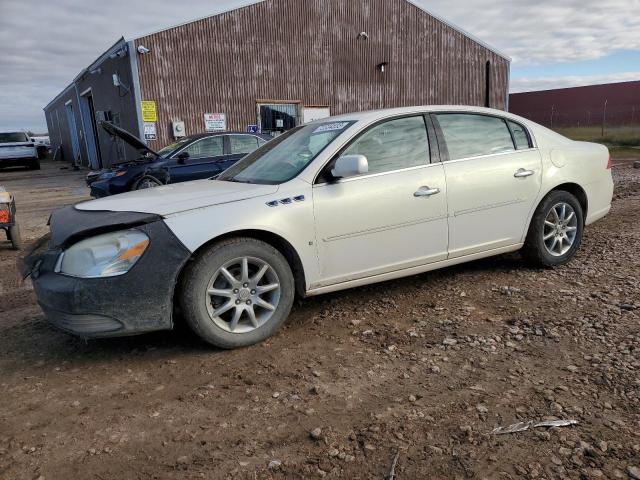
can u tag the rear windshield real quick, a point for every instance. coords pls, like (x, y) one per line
(13, 137)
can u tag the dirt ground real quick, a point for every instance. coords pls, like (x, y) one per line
(421, 368)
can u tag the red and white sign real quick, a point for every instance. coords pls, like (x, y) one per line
(215, 122)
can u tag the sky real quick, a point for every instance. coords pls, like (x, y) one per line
(552, 43)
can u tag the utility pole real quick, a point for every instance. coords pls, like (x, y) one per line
(604, 116)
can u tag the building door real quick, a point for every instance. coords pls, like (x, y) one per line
(276, 118)
(73, 133)
(88, 111)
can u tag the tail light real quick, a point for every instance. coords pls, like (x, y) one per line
(610, 163)
(4, 215)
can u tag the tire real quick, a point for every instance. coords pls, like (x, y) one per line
(539, 247)
(13, 234)
(34, 164)
(204, 275)
(146, 182)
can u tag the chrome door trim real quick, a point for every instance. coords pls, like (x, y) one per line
(379, 174)
(384, 228)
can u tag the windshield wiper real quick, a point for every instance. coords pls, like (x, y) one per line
(235, 180)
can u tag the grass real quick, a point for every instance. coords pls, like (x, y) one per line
(621, 141)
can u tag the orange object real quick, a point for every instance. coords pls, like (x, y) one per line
(4, 216)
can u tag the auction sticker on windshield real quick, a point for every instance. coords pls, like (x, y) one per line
(330, 127)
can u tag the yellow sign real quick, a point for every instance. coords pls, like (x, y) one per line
(149, 113)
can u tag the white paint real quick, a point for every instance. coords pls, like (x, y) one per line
(367, 229)
(311, 114)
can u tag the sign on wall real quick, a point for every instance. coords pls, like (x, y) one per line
(215, 122)
(150, 131)
(149, 113)
(252, 128)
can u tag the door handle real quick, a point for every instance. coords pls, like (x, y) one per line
(522, 173)
(426, 192)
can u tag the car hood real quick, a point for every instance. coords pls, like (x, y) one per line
(128, 137)
(179, 197)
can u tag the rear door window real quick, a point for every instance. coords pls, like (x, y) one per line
(472, 135)
(243, 144)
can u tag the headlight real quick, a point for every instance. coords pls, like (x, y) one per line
(108, 175)
(107, 255)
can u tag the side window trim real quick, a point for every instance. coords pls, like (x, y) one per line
(442, 144)
(318, 180)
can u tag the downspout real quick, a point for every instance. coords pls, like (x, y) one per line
(135, 79)
(508, 85)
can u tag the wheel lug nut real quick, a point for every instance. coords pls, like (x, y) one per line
(237, 302)
(235, 290)
(253, 292)
(245, 285)
(248, 302)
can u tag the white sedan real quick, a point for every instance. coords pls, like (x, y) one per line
(335, 204)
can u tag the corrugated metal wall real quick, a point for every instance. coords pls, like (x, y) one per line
(308, 51)
(106, 97)
(581, 106)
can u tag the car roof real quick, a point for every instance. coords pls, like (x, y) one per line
(371, 115)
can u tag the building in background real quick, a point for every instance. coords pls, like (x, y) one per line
(268, 67)
(612, 104)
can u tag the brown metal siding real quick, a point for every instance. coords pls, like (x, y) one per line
(581, 106)
(308, 51)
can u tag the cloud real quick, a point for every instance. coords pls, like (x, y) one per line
(548, 31)
(547, 83)
(44, 44)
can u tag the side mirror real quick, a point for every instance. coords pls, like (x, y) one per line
(183, 157)
(350, 166)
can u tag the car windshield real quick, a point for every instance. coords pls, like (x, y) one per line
(283, 158)
(11, 137)
(169, 149)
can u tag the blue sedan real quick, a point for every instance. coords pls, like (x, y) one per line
(192, 158)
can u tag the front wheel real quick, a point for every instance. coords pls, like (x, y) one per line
(147, 182)
(13, 233)
(556, 230)
(237, 293)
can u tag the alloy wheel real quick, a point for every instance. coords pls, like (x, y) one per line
(560, 229)
(243, 295)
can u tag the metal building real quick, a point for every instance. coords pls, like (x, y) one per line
(611, 104)
(271, 65)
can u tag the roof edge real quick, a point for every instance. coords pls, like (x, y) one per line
(245, 4)
(608, 84)
(461, 30)
(55, 99)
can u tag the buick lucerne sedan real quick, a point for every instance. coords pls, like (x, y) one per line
(334, 204)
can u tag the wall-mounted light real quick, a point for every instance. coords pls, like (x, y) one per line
(363, 36)
(383, 66)
(96, 71)
(142, 50)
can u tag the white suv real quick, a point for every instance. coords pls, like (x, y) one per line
(335, 204)
(17, 149)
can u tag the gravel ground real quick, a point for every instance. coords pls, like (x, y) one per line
(420, 369)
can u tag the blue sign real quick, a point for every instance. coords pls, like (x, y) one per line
(252, 128)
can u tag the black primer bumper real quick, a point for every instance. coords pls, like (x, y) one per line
(137, 302)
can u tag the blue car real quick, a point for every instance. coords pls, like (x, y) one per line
(192, 158)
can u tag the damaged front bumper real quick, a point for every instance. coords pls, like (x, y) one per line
(139, 301)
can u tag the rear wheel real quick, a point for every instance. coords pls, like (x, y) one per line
(556, 230)
(13, 234)
(34, 164)
(237, 293)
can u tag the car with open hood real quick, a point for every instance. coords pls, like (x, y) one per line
(334, 204)
(191, 158)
